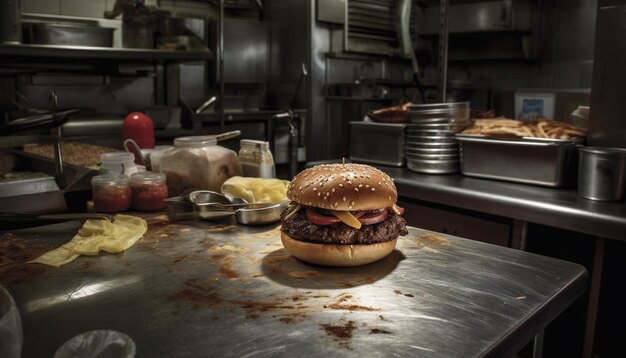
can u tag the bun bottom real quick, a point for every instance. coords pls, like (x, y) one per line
(337, 255)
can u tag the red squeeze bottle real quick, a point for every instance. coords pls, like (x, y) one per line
(138, 127)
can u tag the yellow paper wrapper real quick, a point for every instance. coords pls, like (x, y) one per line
(96, 236)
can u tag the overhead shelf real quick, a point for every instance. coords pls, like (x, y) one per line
(12, 51)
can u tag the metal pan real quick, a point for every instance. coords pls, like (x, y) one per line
(429, 106)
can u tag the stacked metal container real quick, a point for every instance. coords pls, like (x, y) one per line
(430, 145)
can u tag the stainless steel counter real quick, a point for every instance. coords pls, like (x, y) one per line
(561, 208)
(201, 289)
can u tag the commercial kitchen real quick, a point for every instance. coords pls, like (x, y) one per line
(149, 152)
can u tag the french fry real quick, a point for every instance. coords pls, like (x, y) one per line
(541, 128)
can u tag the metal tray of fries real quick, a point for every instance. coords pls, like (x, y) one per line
(539, 161)
(540, 128)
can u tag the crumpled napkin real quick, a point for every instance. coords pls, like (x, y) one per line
(95, 236)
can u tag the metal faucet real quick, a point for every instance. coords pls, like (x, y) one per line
(293, 140)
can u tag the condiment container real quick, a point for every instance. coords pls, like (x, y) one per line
(118, 163)
(149, 191)
(197, 162)
(601, 173)
(139, 127)
(111, 193)
(137, 131)
(154, 156)
(256, 159)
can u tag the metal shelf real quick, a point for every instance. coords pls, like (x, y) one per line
(12, 51)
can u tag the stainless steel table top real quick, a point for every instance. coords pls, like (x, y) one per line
(203, 289)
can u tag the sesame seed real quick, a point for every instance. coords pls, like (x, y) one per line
(314, 189)
(360, 185)
(336, 203)
(373, 189)
(319, 194)
(344, 198)
(341, 185)
(367, 186)
(356, 189)
(333, 190)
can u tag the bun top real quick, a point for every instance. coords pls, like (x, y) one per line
(347, 187)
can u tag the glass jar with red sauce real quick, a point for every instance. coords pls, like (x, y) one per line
(149, 191)
(111, 193)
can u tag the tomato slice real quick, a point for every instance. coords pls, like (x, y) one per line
(373, 218)
(318, 219)
(364, 217)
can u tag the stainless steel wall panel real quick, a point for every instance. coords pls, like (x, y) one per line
(246, 51)
(607, 123)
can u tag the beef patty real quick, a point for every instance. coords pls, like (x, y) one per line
(300, 228)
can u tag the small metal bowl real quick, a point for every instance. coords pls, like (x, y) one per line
(213, 206)
(205, 199)
(261, 216)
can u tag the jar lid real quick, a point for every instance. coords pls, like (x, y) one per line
(195, 141)
(117, 157)
(257, 144)
(147, 178)
(110, 179)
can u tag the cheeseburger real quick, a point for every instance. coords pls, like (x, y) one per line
(342, 215)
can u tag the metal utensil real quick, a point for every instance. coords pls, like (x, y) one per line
(206, 105)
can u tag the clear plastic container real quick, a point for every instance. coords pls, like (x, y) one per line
(11, 335)
(198, 163)
(155, 155)
(111, 193)
(101, 343)
(149, 191)
(256, 159)
(118, 163)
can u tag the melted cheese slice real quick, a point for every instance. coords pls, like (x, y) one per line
(96, 236)
(256, 190)
(347, 218)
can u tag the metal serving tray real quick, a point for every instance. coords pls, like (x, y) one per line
(377, 143)
(538, 161)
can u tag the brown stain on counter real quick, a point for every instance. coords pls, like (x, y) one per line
(341, 333)
(208, 295)
(14, 255)
(379, 331)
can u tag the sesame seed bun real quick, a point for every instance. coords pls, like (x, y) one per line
(344, 187)
(337, 255)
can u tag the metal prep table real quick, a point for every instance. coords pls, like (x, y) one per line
(204, 289)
